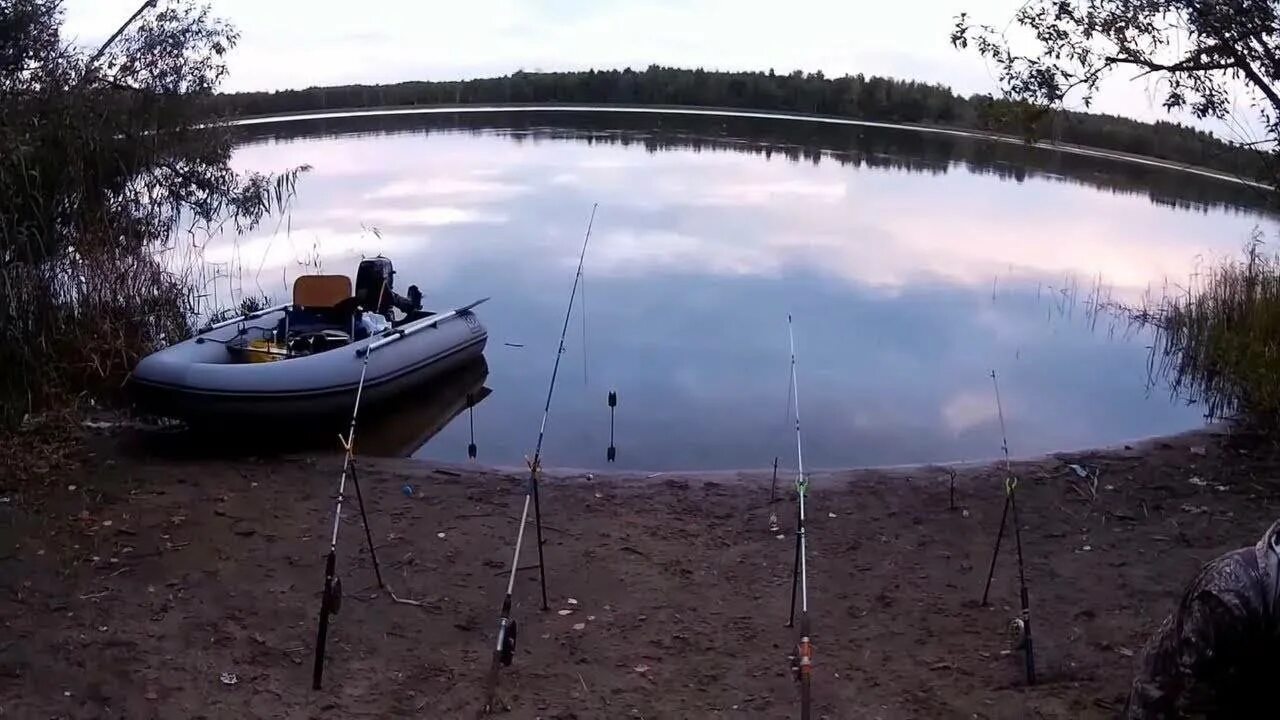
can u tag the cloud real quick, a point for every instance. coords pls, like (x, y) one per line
(474, 190)
(304, 247)
(737, 214)
(737, 194)
(966, 410)
(424, 216)
(631, 252)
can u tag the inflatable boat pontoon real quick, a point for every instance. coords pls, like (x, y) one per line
(303, 360)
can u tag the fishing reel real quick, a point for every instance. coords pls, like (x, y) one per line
(801, 659)
(1016, 634)
(507, 633)
(332, 600)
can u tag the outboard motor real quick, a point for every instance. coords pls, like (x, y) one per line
(375, 290)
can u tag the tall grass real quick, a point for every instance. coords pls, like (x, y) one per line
(1218, 342)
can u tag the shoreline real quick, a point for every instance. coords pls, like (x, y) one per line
(1206, 433)
(136, 576)
(1069, 148)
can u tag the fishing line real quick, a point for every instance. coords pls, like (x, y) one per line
(791, 386)
(786, 420)
(504, 649)
(802, 655)
(583, 282)
(1021, 626)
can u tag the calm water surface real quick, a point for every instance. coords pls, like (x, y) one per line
(913, 265)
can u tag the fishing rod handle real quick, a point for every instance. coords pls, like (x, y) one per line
(326, 609)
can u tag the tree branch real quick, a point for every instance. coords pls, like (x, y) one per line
(1180, 66)
(1256, 143)
(1254, 77)
(1268, 55)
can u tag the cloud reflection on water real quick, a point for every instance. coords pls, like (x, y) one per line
(894, 228)
(908, 288)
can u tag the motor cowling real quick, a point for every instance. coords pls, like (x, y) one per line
(374, 283)
(375, 288)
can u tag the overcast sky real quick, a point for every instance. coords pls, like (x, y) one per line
(299, 43)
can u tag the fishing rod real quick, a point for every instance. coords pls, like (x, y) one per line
(331, 594)
(802, 655)
(1022, 625)
(504, 649)
(89, 66)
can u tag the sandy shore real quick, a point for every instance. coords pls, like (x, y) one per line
(132, 582)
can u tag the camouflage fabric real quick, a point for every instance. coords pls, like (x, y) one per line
(1216, 656)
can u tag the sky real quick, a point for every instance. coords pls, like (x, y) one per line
(301, 43)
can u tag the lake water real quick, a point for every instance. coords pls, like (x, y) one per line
(913, 263)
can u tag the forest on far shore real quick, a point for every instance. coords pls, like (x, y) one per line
(851, 96)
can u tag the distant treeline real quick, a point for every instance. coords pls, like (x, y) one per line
(851, 96)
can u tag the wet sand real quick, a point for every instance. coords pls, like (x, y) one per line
(130, 583)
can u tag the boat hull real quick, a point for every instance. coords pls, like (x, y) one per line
(196, 382)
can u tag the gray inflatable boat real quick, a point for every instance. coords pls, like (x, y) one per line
(291, 363)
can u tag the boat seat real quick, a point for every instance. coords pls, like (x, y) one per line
(320, 303)
(321, 291)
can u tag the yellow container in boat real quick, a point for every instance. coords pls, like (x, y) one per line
(264, 351)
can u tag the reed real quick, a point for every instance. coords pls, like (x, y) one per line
(1218, 340)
